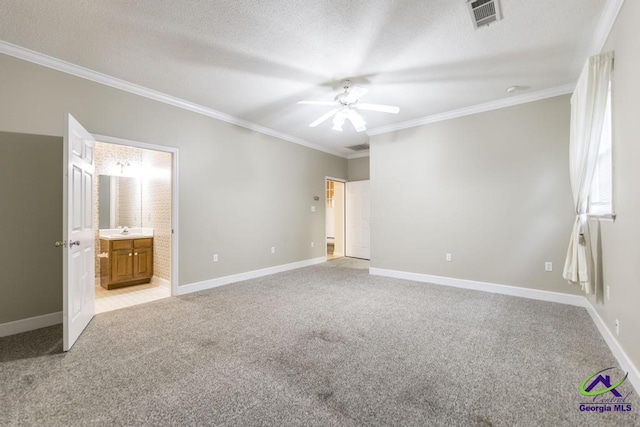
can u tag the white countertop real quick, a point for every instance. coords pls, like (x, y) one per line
(117, 234)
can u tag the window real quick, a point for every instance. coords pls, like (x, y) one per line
(601, 194)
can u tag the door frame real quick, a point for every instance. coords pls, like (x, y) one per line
(344, 214)
(174, 195)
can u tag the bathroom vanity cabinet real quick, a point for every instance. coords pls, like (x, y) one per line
(127, 262)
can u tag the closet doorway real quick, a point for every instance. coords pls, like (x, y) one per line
(335, 217)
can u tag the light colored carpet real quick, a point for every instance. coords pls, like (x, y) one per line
(324, 345)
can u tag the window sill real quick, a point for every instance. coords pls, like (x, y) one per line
(603, 217)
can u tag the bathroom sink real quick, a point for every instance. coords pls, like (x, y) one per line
(117, 234)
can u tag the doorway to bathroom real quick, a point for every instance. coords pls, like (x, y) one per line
(133, 196)
(335, 217)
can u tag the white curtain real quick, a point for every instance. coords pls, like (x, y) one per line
(588, 105)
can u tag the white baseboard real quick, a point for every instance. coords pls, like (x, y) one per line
(221, 281)
(621, 356)
(159, 281)
(577, 300)
(25, 325)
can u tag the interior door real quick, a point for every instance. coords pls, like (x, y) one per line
(78, 263)
(358, 208)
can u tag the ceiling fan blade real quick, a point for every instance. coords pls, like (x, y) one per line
(378, 107)
(354, 94)
(323, 118)
(356, 119)
(318, 102)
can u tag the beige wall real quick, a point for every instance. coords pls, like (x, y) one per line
(240, 192)
(492, 189)
(620, 249)
(31, 215)
(358, 169)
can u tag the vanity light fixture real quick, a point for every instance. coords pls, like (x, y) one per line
(122, 165)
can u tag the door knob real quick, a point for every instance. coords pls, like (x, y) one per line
(60, 244)
(72, 243)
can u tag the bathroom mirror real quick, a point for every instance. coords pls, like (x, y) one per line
(119, 201)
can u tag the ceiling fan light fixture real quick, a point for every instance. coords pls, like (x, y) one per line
(347, 102)
(356, 119)
(338, 121)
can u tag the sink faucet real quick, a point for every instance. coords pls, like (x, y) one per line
(125, 230)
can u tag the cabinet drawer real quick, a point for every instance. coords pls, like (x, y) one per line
(120, 244)
(142, 243)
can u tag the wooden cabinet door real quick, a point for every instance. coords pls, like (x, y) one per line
(130, 262)
(143, 258)
(121, 265)
(143, 262)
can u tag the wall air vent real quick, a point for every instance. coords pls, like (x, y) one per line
(484, 12)
(360, 147)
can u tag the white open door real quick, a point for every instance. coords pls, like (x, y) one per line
(358, 208)
(78, 262)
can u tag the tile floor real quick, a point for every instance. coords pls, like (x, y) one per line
(330, 252)
(128, 296)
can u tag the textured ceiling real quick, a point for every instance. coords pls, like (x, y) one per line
(255, 59)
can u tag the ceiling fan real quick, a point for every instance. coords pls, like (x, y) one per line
(346, 105)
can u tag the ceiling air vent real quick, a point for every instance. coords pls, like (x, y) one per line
(359, 147)
(484, 12)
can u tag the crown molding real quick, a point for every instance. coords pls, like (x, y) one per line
(605, 25)
(475, 109)
(114, 82)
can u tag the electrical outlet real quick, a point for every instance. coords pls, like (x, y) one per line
(447, 257)
(273, 249)
(608, 292)
(215, 257)
(312, 244)
(548, 266)
(617, 327)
